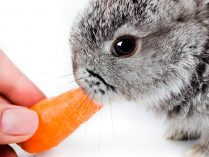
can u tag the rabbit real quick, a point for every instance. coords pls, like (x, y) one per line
(153, 52)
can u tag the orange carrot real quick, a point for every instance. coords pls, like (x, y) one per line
(58, 118)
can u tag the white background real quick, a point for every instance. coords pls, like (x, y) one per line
(34, 34)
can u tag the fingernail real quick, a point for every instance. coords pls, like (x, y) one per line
(19, 122)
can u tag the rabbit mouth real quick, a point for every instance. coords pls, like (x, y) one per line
(91, 73)
(94, 85)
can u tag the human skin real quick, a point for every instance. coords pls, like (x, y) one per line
(17, 92)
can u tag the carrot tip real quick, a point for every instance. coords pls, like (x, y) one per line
(59, 117)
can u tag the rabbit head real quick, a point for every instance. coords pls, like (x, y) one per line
(147, 50)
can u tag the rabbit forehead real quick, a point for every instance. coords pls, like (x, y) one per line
(103, 18)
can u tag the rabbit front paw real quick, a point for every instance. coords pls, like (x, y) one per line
(182, 136)
(178, 136)
(198, 151)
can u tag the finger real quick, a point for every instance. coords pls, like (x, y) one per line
(3, 100)
(17, 123)
(15, 86)
(7, 151)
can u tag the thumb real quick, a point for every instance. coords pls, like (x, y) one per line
(17, 124)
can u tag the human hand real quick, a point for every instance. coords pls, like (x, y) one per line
(17, 123)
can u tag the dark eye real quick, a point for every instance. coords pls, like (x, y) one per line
(124, 46)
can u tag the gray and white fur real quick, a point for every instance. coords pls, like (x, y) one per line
(169, 72)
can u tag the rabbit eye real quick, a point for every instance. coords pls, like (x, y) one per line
(124, 46)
